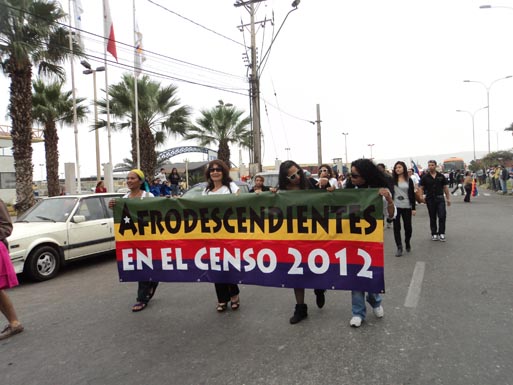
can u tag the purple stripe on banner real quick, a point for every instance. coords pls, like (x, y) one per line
(355, 277)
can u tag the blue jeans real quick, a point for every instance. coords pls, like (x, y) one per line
(358, 302)
(504, 186)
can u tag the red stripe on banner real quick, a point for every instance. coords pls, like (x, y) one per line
(354, 252)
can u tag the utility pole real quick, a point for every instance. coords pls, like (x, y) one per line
(319, 149)
(255, 97)
(254, 77)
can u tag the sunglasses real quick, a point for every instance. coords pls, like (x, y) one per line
(355, 175)
(215, 169)
(323, 170)
(293, 176)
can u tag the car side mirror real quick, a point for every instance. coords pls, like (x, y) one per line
(79, 218)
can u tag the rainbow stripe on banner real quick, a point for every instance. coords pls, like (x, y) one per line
(310, 239)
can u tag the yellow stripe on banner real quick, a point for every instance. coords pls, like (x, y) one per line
(244, 231)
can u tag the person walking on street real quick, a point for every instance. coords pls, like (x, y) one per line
(291, 178)
(434, 186)
(503, 178)
(365, 174)
(8, 277)
(217, 176)
(458, 183)
(139, 189)
(467, 185)
(404, 201)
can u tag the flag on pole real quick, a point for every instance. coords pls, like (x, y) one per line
(77, 11)
(415, 168)
(108, 30)
(139, 56)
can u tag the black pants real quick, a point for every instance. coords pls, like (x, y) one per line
(458, 187)
(468, 191)
(405, 214)
(436, 208)
(225, 291)
(145, 290)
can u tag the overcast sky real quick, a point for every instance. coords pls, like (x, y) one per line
(389, 73)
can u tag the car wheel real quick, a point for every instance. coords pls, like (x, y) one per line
(43, 263)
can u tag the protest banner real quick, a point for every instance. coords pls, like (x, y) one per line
(309, 239)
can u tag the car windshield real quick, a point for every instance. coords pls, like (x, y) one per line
(49, 210)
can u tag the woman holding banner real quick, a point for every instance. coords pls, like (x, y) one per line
(365, 174)
(139, 189)
(292, 177)
(219, 181)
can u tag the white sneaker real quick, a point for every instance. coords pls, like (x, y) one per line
(442, 237)
(378, 311)
(355, 322)
(434, 237)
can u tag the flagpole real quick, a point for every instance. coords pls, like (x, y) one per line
(108, 169)
(136, 103)
(75, 128)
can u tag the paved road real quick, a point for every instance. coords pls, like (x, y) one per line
(448, 320)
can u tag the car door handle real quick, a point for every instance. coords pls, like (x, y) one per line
(103, 223)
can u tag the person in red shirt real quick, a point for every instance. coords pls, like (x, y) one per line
(100, 187)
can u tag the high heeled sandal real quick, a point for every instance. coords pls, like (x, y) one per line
(221, 307)
(235, 304)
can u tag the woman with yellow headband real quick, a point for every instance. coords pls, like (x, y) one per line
(139, 189)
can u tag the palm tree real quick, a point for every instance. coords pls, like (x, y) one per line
(30, 35)
(128, 164)
(51, 105)
(221, 125)
(159, 116)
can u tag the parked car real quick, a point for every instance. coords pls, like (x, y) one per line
(198, 188)
(60, 229)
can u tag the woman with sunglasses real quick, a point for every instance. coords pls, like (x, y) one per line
(404, 200)
(292, 177)
(327, 178)
(217, 175)
(365, 174)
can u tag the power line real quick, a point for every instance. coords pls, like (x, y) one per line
(195, 23)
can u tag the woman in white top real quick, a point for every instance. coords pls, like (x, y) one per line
(218, 180)
(139, 189)
(404, 200)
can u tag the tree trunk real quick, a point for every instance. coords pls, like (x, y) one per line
(21, 116)
(147, 152)
(224, 152)
(52, 158)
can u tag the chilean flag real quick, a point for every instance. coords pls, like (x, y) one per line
(108, 30)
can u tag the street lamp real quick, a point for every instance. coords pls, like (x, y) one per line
(472, 114)
(345, 145)
(371, 145)
(89, 71)
(488, 99)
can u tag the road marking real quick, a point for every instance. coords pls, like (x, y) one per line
(412, 298)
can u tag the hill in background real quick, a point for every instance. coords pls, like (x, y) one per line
(422, 160)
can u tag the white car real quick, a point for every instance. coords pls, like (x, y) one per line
(60, 229)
